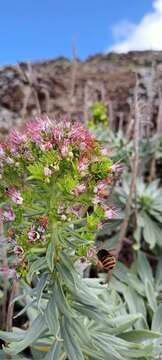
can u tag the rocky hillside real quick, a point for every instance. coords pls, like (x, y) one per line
(61, 86)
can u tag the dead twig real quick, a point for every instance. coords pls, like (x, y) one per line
(135, 163)
(11, 306)
(152, 175)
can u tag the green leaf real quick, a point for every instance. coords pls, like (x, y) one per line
(135, 283)
(35, 267)
(150, 294)
(158, 277)
(54, 353)
(31, 335)
(71, 345)
(144, 269)
(157, 319)
(138, 336)
(40, 287)
(136, 305)
(123, 322)
(50, 256)
(25, 308)
(107, 349)
(37, 171)
(61, 301)
(51, 316)
(151, 231)
(15, 335)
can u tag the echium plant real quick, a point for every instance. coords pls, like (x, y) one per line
(54, 187)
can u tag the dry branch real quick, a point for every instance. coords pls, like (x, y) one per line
(135, 162)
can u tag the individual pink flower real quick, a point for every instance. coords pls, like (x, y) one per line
(64, 148)
(9, 215)
(14, 195)
(61, 209)
(18, 250)
(34, 130)
(104, 151)
(33, 235)
(36, 127)
(16, 138)
(101, 187)
(118, 168)
(2, 152)
(97, 200)
(58, 134)
(47, 171)
(75, 209)
(110, 212)
(83, 165)
(80, 136)
(79, 189)
(27, 154)
(41, 229)
(46, 146)
(90, 252)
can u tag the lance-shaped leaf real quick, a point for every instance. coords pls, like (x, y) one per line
(71, 345)
(31, 335)
(51, 315)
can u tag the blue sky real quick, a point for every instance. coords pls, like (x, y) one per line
(42, 29)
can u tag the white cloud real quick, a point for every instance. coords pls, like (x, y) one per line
(147, 35)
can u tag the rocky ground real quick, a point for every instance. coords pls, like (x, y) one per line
(61, 86)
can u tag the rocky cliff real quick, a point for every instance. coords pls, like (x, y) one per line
(61, 86)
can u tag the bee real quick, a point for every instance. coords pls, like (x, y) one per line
(106, 262)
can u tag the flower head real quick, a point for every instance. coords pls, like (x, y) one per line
(79, 189)
(16, 138)
(117, 168)
(47, 171)
(90, 252)
(18, 250)
(2, 152)
(46, 146)
(9, 215)
(36, 127)
(101, 188)
(33, 235)
(83, 165)
(14, 195)
(110, 212)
